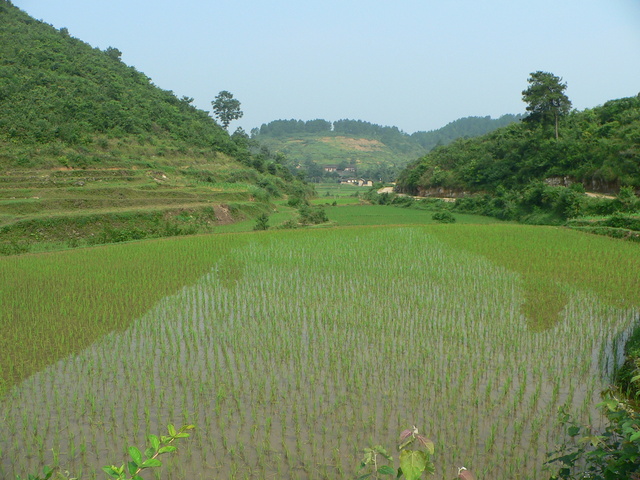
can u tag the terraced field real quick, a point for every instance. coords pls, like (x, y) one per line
(49, 209)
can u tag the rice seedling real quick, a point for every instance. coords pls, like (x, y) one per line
(291, 348)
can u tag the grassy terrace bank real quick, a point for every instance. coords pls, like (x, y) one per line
(486, 328)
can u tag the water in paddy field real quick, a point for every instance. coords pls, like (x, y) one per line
(290, 357)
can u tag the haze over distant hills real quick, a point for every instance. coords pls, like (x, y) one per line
(67, 104)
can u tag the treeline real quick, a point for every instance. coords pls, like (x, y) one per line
(396, 148)
(598, 148)
(463, 127)
(54, 87)
(366, 129)
(281, 128)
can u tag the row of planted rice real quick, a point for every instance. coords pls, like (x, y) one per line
(299, 349)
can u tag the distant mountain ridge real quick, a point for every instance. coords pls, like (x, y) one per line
(466, 127)
(313, 144)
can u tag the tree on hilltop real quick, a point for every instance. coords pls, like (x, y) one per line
(113, 53)
(226, 108)
(546, 99)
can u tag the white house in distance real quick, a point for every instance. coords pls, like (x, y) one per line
(360, 182)
(348, 175)
(336, 168)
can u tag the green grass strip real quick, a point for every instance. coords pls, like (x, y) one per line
(56, 304)
(551, 259)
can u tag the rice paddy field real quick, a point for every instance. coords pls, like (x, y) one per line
(293, 350)
(344, 215)
(354, 215)
(342, 194)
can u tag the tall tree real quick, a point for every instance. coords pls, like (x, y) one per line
(226, 108)
(546, 99)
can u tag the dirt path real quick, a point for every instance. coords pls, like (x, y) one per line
(390, 190)
(447, 199)
(598, 195)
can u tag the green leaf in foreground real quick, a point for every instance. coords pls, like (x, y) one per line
(154, 441)
(152, 462)
(113, 471)
(413, 463)
(386, 470)
(167, 449)
(135, 455)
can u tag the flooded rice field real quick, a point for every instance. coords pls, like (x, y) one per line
(291, 356)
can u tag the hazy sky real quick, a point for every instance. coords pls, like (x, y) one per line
(415, 64)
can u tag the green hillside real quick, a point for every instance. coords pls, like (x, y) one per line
(56, 88)
(91, 151)
(374, 151)
(590, 173)
(598, 147)
(466, 127)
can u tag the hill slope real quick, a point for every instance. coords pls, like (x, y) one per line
(521, 172)
(54, 87)
(598, 148)
(92, 151)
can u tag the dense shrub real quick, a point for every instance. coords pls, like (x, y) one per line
(608, 455)
(443, 217)
(312, 215)
(402, 201)
(262, 222)
(296, 202)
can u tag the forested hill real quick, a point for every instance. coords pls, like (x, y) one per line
(59, 97)
(91, 151)
(376, 151)
(463, 128)
(598, 148)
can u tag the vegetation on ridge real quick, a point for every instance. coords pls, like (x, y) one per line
(597, 148)
(539, 170)
(57, 88)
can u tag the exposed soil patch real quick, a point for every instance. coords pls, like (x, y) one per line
(390, 190)
(598, 195)
(360, 144)
(223, 214)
